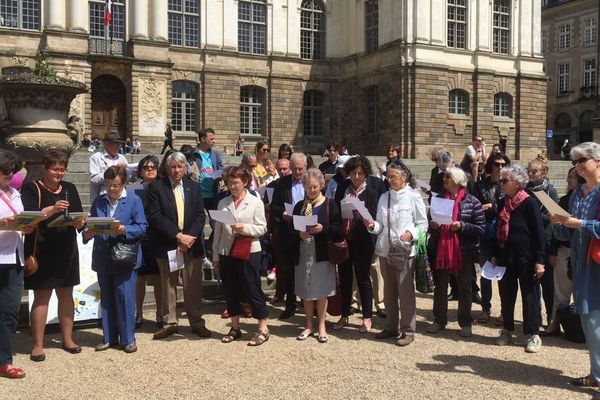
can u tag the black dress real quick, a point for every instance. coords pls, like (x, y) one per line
(149, 264)
(57, 251)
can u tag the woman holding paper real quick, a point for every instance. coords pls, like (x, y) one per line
(520, 248)
(456, 247)
(11, 263)
(538, 182)
(236, 253)
(400, 214)
(314, 274)
(148, 273)
(361, 187)
(582, 228)
(56, 251)
(117, 284)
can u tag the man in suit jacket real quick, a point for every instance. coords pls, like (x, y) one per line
(176, 213)
(289, 190)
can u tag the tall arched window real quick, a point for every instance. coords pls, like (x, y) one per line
(312, 113)
(183, 111)
(459, 102)
(20, 14)
(563, 121)
(252, 26)
(312, 30)
(252, 99)
(503, 105)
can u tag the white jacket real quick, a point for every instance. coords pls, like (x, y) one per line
(251, 213)
(408, 214)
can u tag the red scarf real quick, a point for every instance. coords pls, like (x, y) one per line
(448, 253)
(510, 205)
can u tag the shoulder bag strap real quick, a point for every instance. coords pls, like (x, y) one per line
(35, 239)
(8, 203)
(388, 218)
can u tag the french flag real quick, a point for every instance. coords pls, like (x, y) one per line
(108, 12)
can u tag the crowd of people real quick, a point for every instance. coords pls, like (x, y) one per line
(360, 247)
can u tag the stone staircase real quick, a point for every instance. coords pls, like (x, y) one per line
(79, 170)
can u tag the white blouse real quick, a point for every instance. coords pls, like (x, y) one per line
(11, 242)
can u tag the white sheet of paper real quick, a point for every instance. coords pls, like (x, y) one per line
(175, 260)
(423, 184)
(489, 272)
(301, 222)
(222, 216)
(347, 210)
(215, 174)
(551, 205)
(362, 210)
(441, 210)
(289, 208)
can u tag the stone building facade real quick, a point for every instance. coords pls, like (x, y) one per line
(366, 73)
(571, 46)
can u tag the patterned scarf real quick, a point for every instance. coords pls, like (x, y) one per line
(542, 185)
(448, 253)
(309, 205)
(510, 205)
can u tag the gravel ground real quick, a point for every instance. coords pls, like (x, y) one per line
(350, 365)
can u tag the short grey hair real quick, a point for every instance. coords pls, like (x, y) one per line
(518, 173)
(586, 149)
(314, 173)
(177, 156)
(247, 156)
(458, 176)
(298, 156)
(444, 159)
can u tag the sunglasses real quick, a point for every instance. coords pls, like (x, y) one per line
(499, 164)
(265, 149)
(149, 167)
(580, 161)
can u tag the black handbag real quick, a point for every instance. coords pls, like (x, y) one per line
(122, 255)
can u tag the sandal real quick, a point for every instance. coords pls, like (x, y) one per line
(259, 338)
(585, 382)
(340, 324)
(364, 328)
(484, 317)
(232, 335)
(10, 372)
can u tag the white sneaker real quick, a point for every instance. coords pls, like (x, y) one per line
(434, 328)
(534, 344)
(505, 338)
(466, 331)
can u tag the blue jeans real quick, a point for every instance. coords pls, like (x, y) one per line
(591, 328)
(11, 285)
(118, 306)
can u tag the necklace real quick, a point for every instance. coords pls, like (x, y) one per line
(56, 190)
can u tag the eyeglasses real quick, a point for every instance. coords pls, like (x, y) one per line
(533, 171)
(149, 167)
(580, 161)
(235, 183)
(505, 181)
(58, 170)
(478, 140)
(265, 149)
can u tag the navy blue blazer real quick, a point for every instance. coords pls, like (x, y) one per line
(129, 212)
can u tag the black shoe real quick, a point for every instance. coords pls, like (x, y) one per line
(287, 313)
(452, 297)
(72, 350)
(476, 298)
(381, 313)
(39, 358)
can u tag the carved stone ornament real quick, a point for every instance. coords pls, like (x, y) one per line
(37, 109)
(152, 107)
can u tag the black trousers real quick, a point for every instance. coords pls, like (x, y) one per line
(11, 285)
(464, 288)
(241, 280)
(515, 276)
(358, 264)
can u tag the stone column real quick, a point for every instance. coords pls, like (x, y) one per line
(140, 22)
(78, 16)
(160, 19)
(56, 15)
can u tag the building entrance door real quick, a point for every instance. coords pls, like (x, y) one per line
(108, 106)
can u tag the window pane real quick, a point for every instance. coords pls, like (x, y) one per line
(175, 29)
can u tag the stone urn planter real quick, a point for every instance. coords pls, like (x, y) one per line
(38, 110)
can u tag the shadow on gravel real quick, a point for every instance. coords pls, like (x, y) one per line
(494, 369)
(53, 340)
